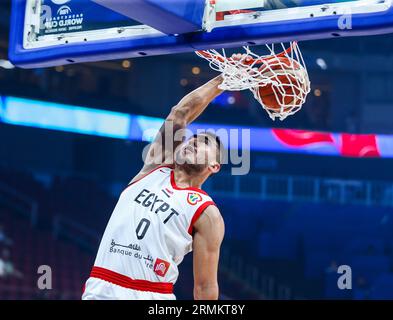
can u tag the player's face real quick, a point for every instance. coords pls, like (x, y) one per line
(201, 150)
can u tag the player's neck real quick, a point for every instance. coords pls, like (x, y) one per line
(185, 180)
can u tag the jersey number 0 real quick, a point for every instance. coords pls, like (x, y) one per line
(142, 228)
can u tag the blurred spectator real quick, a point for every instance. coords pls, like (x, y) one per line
(3, 237)
(7, 267)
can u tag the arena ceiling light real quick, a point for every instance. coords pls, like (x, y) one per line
(322, 63)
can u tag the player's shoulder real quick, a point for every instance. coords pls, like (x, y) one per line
(213, 212)
(209, 219)
(146, 172)
(159, 169)
(206, 216)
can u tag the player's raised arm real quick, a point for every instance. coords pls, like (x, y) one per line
(209, 233)
(187, 110)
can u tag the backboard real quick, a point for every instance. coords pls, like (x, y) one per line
(57, 32)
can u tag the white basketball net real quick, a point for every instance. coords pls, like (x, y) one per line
(279, 81)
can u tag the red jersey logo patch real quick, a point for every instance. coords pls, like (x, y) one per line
(193, 198)
(161, 267)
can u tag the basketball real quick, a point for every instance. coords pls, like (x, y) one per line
(283, 92)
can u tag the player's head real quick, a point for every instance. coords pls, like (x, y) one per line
(201, 154)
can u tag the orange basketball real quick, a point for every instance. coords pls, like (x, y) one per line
(285, 90)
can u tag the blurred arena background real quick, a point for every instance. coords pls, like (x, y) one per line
(290, 222)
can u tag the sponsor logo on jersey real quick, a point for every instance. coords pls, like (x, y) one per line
(161, 267)
(193, 198)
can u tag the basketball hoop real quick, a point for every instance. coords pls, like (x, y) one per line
(279, 81)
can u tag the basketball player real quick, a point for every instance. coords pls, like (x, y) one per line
(163, 214)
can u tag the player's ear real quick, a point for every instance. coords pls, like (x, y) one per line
(214, 167)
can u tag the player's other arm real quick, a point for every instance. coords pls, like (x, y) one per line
(186, 111)
(208, 235)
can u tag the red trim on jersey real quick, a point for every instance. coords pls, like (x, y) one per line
(160, 167)
(129, 283)
(174, 186)
(198, 213)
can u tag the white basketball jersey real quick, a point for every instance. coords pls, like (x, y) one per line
(150, 230)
